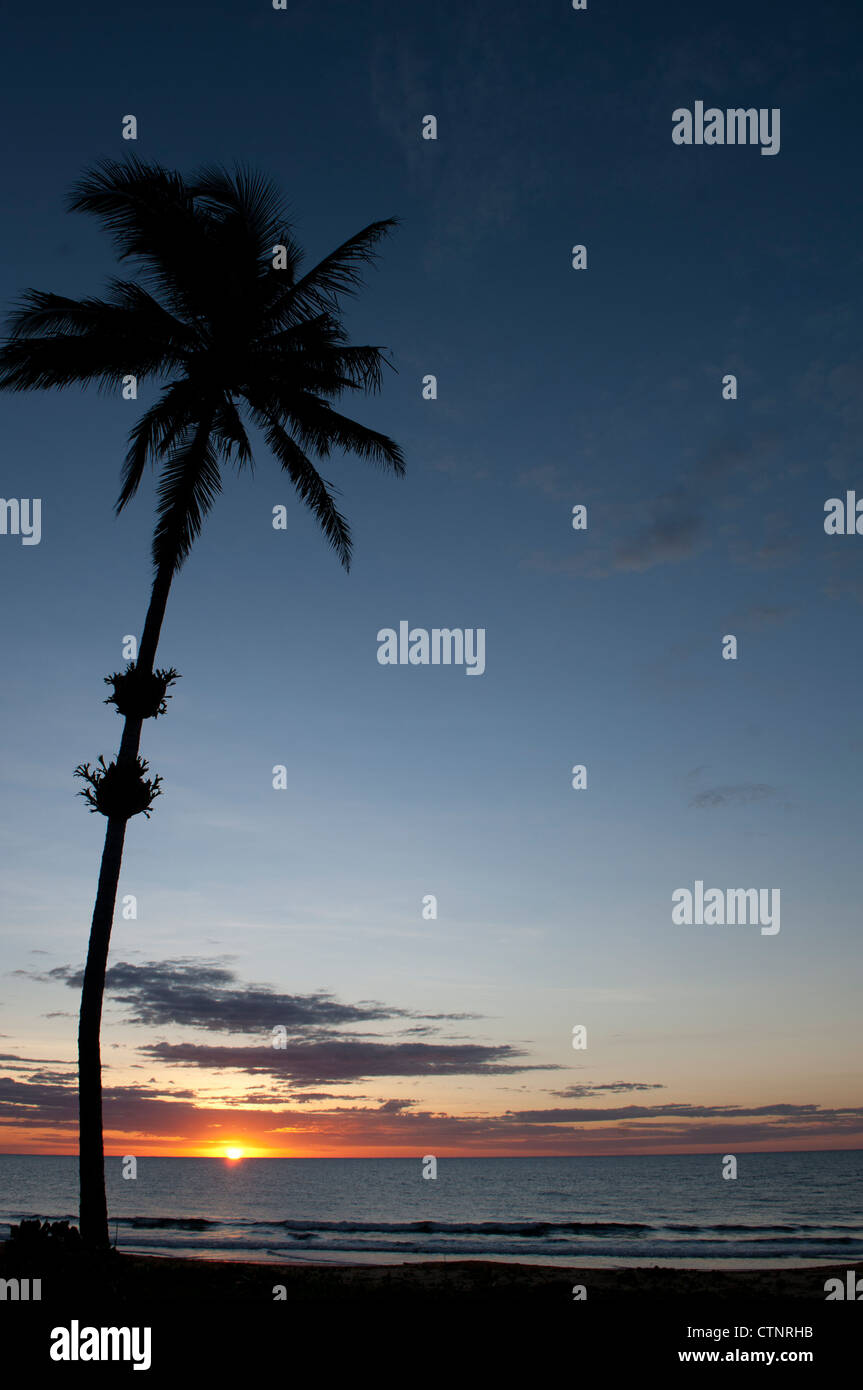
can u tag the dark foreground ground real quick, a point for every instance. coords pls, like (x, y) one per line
(136, 1278)
(422, 1322)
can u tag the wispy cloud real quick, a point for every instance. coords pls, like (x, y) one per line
(598, 1088)
(158, 1121)
(350, 1059)
(757, 617)
(675, 533)
(206, 994)
(741, 795)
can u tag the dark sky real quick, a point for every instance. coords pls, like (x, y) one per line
(603, 647)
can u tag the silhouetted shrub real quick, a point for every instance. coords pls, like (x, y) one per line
(41, 1235)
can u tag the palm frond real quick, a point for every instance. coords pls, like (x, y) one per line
(158, 430)
(246, 197)
(317, 493)
(339, 273)
(128, 196)
(129, 312)
(319, 344)
(151, 216)
(189, 483)
(56, 341)
(318, 427)
(30, 364)
(231, 435)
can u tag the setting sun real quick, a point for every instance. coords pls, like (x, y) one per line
(233, 1153)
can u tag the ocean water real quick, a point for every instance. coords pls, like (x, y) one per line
(782, 1209)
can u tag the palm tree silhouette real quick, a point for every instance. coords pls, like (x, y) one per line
(221, 314)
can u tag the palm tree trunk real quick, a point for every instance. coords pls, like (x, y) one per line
(94, 1209)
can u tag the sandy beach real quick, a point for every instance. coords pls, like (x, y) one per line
(154, 1279)
(214, 1316)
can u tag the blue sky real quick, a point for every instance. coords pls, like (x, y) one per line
(603, 647)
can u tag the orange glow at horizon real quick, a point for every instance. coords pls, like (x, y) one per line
(24, 1141)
